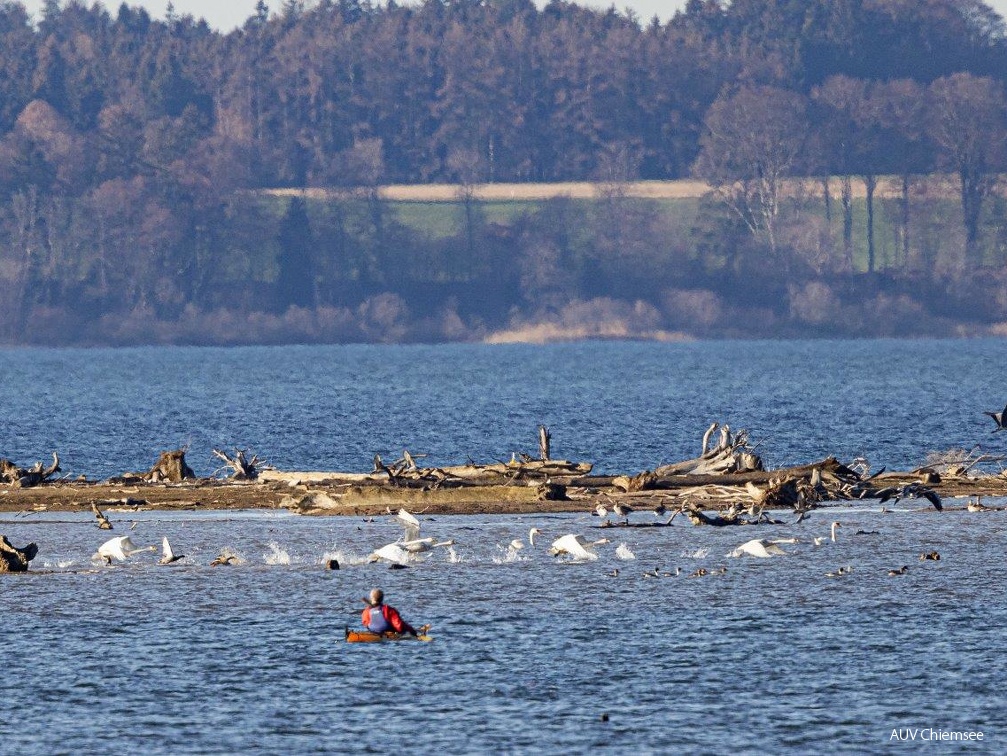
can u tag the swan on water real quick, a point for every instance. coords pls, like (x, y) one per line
(423, 545)
(820, 540)
(758, 548)
(516, 545)
(167, 555)
(120, 548)
(531, 536)
(575, 546)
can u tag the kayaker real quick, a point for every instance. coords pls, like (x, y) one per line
(378, 617)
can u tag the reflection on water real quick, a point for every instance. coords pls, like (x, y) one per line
(529, 651)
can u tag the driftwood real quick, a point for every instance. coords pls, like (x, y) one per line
(551, 492)
(645, 481)
(22, 477)
(732, 454)
(244, 468)
(170, 468)
(544, 438)
(13, 559)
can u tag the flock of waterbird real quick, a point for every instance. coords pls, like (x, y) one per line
(575, 547)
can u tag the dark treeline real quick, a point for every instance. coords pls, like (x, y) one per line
(853, 149)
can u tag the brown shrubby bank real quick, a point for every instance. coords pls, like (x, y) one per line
(850, 152)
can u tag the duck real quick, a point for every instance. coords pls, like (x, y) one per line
(225, 559)
(976, 506)
(930, 556)
(900, 571)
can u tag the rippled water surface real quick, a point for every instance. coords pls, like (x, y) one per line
(529, 653)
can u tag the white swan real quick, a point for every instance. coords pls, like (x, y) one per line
(120, 548)
(167, 555)
(820, 540)
(392, 552)
(531, 536)
(411, 525)
(401, 552)
(758, 548)
(516, 545)
(576, 546)
(423, 545)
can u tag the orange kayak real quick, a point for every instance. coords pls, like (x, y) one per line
(366, 636)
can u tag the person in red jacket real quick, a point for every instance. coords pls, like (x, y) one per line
(378, 617)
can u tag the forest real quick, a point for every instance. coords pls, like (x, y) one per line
(163, 182)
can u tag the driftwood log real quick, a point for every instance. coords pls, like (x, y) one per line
(23, 477)
(731, 454)
(13, 559)
(170, 468)
(244, 468)
(544, 439)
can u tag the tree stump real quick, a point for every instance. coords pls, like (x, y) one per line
(244, 468)
(170, 468)
(544, 439)
(13, 559)
(22, 477)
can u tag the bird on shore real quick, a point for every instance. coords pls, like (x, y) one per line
(999, 418)
(167, 555)
(600, 511)
(120, 548)
(103, 522)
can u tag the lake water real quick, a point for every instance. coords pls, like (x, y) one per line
(529, 653)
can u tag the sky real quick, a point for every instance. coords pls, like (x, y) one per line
(229, 14)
